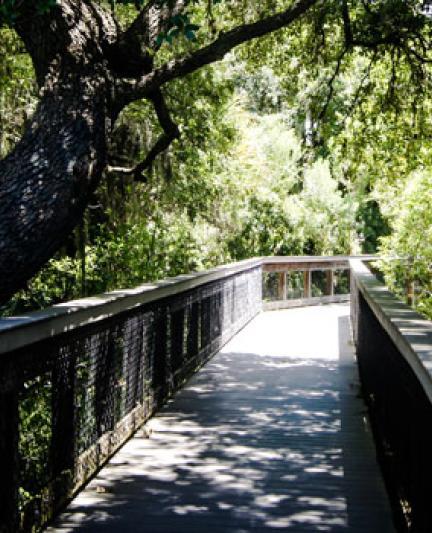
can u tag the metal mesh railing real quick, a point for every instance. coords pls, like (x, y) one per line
(69, 401)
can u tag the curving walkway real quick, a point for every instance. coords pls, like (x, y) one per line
(270, 436)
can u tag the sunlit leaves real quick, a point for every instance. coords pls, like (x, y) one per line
(411, 240)
(17, 89)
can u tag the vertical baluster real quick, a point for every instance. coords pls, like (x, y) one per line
(307, 284)
(177, 333)
(9, 461)
(63, 421)
(282, 286)
(329, 282)
(205, 322)
(106, 386)
(160, 362)
(193, 333)
(218, 312)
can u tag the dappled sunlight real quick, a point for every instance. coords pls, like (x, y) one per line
(256, 442)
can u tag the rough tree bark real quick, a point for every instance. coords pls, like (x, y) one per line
(87, 71)
(46, 180)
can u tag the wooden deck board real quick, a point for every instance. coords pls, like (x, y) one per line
(271, 435)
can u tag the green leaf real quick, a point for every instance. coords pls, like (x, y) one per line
(190, 35)
(160, 39)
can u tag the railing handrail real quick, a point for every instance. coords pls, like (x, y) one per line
(405, 327)
(317, 258)
(311, 263)
(19, 331)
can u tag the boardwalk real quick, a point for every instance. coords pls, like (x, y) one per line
(271, 435)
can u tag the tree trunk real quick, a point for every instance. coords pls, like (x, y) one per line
(46, 181)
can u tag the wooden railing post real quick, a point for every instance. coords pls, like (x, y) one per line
(160, 364)
(329, 282)
(307, 286)
(177, 342)
(282, 286)
(410, 292)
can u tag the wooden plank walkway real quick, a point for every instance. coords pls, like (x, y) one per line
(271, 435)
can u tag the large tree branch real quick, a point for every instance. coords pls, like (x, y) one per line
(131, 55)
(170, 133)
(331, 83)
(134, 90)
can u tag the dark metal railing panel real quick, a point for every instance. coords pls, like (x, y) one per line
(394, 349)
(17, 332)
(69, 400)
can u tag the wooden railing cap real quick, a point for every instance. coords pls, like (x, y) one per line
(410, 332)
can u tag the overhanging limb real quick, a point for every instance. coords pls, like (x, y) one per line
(170, 133)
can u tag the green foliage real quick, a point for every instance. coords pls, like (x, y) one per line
(371, 225)
(59, 280)
(288, 206)
(408, 249)
(17, 89)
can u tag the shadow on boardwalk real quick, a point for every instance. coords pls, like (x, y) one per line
(271, 435)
